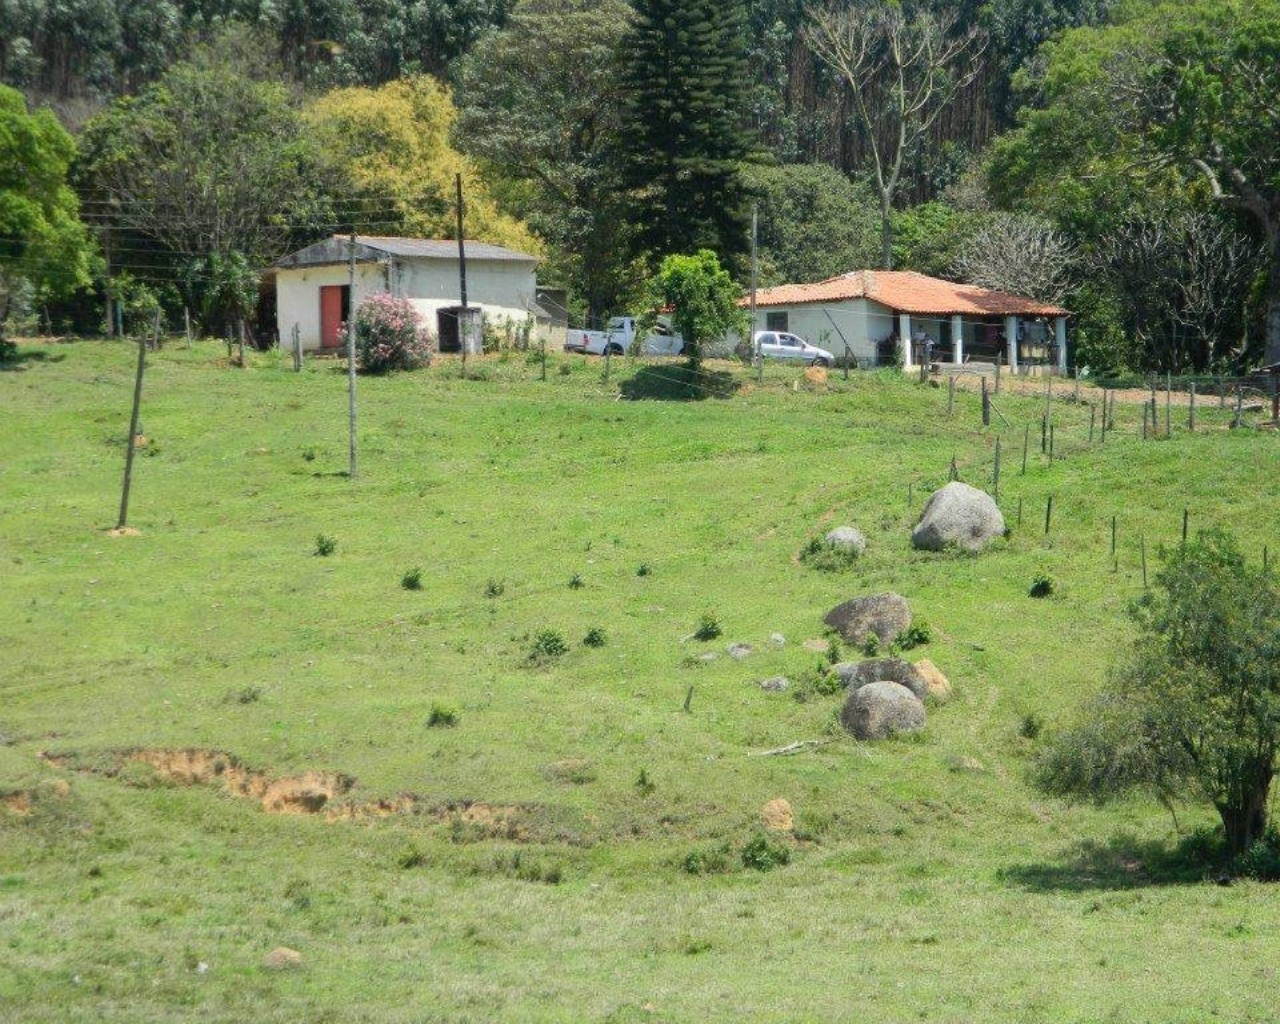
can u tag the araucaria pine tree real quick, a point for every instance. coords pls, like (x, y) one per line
(684, 127)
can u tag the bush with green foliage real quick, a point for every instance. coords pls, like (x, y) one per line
(390, 335)
(818, 554)
(1194, 711)
(703, 299)
(412, 580)
(442, 717)
(763, 853)
(915, 635)
(1041, 585)
(709, 627)
(325, 545)
(594, 638)
(547, 645)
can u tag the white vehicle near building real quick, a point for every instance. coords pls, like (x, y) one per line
(618, 336)
(781, 345)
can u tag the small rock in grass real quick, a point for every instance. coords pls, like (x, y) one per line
(708, 656)
(880, 710)
(738, 651)
(939, 685)
(819, 646)
(847, 538)
(282, 958)
(776, 816)
(777, 639)
(776, 684)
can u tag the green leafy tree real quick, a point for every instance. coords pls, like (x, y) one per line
(683, 130)
(1174, 100)
(540, 101)
(1195, 710)
(815, 223)
(703, 300)
(211, 166)
(43, 245)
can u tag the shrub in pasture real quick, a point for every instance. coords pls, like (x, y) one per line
(765, 854)
(390, 335)
(412, 580)
(595, 637)
(708, 627)
(548, 644)
(325, 545)
(1041, 585)
(442, 717)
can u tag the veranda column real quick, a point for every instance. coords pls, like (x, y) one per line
(904, 335)
(957, 339)
(1060, 335)
(1011, 341)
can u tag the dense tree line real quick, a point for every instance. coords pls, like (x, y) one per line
(1120, 158)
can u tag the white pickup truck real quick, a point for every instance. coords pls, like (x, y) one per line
(618, 336)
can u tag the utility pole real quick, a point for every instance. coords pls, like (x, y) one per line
(751, 330)
(351, 356)
(464, 318)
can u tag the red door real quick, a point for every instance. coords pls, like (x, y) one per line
(332, 311)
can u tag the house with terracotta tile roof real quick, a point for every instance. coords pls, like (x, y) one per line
(870, 315)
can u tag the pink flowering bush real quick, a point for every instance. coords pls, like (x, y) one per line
(390, 335)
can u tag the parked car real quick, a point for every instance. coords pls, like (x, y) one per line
(618, 336)
(781, 345)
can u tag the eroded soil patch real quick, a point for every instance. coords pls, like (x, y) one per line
(312, 792)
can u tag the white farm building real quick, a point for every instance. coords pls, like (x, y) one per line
(313, 285)
(872, 315)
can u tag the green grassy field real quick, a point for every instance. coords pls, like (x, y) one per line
(530, 878)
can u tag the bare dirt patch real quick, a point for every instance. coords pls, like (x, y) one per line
(309, 793)
(17, 803)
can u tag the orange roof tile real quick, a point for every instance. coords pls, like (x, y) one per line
(907, 292)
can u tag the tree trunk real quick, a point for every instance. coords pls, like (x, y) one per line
(886, 231)
(1244, 819)
(1272, 351)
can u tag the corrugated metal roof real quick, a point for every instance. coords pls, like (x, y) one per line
(372, 247)
(907, 292)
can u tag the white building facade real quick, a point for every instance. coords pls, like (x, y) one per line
(877, 317)
(314, 295)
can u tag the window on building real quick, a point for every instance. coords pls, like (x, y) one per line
(776, 321)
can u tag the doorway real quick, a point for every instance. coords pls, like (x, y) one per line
(335, 310)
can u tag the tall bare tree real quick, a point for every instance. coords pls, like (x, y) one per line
(901, 74)
(1021, 254)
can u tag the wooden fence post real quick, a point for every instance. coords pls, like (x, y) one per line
(133, 434)
(951, 394)
(1026, 443)
(995, 480)
(986, 404)
(1048, 514)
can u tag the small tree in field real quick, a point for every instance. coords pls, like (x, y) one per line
(702, 298)
(1195, 710)
(390, 335)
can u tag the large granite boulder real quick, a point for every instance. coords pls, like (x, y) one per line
(885, 615)
(958, 515)
(880, 710)
(856, 674)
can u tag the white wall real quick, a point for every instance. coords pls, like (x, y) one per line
(503, 289)
(863, 323)
(298, 298)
